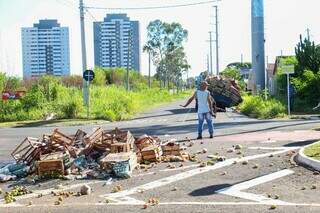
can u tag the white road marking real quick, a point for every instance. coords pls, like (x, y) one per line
(268, 141)
(48, 191)
(127, 200)
(166, 204)
(143, 174)
(275, 148)
(235, 190)
(179, 168)
(187, 174)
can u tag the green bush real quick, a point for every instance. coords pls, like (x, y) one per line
(257, 107)
(34, 98)
(307, 87)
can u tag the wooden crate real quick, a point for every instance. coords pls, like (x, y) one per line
(95, 136)
(60, 138)
(144, 141)
(27, 151)
(119, 141)
(45, 167)
(151, 153)
(121, 164)
(171, 149)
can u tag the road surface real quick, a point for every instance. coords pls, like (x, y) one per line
(268, 178)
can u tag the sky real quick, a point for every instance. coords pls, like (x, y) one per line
(285, 20)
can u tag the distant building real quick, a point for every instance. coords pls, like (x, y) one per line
(117, 42)
(272, 71)
(45, 49)
(271, 81)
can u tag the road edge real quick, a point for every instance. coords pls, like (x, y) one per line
(308, 161)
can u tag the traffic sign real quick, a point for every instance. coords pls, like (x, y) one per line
(288, 69)
(88, 75)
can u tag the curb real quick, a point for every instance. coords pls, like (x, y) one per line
(308, 161)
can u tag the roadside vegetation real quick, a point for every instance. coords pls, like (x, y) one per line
(62, 96)
(313, 151)
(305, 80)
(258, 107)
(305, 83)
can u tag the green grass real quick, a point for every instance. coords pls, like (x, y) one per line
(257, 107)
(52, 123)
(313, 151)
(107, 103)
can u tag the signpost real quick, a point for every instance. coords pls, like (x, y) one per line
(88, 76)
(288, 69)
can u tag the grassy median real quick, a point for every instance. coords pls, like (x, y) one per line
(313, 151)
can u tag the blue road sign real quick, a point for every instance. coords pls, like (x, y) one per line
(88, 75)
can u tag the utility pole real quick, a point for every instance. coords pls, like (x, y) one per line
(208, 66)
(210, 40)
(241, 59)
(84, 53)
(149, 69)
(217, 40)
(258, 45)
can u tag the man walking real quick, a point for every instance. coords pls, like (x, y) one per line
(205, 108)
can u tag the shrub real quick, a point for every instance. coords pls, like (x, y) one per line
(257, 107)
(70, 110)
(33, 99)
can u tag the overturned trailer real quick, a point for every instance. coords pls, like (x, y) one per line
(225, 91)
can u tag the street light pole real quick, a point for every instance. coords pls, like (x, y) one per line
(84, 53)
(149, 69)
(217, 41)
(210, 40)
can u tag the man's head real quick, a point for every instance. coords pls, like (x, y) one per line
(204, 85)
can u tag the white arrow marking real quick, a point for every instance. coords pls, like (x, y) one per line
(235, 190)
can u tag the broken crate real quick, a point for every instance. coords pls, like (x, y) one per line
(151, 153)
(121, 164)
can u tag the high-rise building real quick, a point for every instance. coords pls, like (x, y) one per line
(117, 42)
(45, 49)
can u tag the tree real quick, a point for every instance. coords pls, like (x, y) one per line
(2, 81)
(232, 73)
(308, 56)
(164, 41)
(239, 65)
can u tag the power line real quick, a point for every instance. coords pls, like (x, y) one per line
(90, 14)
(69, 5)
(152, 7)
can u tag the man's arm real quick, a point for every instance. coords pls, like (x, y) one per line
(190, 100)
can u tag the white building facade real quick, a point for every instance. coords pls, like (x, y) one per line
(117, 42)
(45, 49)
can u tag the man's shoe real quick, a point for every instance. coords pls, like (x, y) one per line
(211, 136)
(199, 137)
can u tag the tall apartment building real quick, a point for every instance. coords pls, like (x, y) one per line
(117, 42)
(45, 49)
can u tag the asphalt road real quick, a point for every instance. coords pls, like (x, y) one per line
(268, 178)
